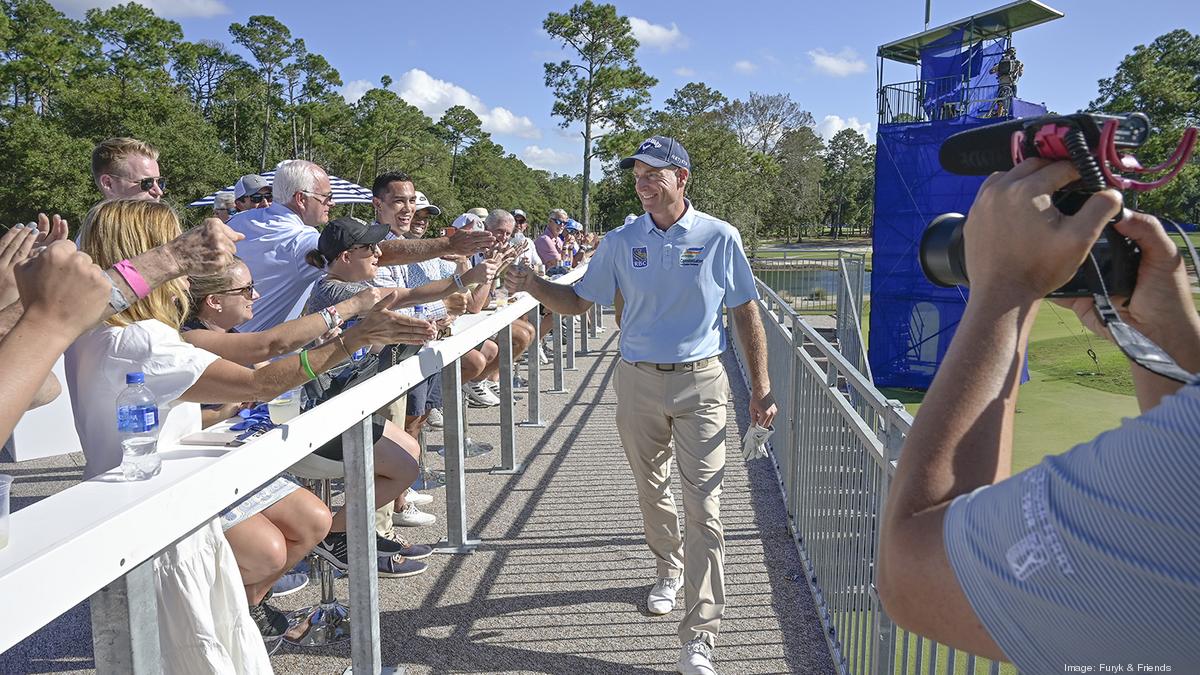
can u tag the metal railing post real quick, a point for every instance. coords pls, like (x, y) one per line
(359, 462)
(454, 437)
(125, 624)
(533, 372)
(557, 337)
(570, 348)
(587, 326)
(883, 647)
(508, 430)
(597, 320)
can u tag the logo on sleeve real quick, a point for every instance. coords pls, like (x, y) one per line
(640, 256)
(692, 256)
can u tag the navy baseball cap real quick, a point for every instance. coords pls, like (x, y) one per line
(342, 234)
(659, 152)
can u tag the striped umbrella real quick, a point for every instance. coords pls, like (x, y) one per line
(344, 192)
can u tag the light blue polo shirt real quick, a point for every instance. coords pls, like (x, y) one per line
(674, 284)
(274, 249)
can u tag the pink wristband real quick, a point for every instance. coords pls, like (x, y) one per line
(133, 277)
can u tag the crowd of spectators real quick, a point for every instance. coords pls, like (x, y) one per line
(266, 297)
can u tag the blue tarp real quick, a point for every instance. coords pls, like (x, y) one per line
(956, 76)
(912, 321)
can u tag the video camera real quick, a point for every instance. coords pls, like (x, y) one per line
(1093, 144)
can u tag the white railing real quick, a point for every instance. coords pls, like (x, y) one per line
(116, 528)
(836, 442)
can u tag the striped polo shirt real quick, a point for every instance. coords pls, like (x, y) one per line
(1092, 556)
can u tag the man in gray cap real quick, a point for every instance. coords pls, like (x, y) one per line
(252, 191)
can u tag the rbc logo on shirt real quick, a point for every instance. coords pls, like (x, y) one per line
(640, 257)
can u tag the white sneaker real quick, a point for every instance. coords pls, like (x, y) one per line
(542, 355)
(494, 386)
(411, 516)
(695, 658)
(435, 418)
(661, 599)
(411, 496)
(480, 395)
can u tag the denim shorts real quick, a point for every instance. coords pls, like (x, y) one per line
(257, 502)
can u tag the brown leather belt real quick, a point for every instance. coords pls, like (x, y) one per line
(680, 367)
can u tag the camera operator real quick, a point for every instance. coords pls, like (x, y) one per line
(1091, 556)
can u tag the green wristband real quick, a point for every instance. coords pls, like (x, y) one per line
(307, 367)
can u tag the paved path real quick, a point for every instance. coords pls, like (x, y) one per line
(559, 584)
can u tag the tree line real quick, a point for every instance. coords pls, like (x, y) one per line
(216, 113)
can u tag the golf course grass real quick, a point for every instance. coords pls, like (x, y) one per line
(1069, 398)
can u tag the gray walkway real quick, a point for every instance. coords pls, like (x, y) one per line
(559, 584)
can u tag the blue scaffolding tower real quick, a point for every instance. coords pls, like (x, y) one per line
(967, 73)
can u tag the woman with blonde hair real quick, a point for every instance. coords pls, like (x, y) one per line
(145, 338)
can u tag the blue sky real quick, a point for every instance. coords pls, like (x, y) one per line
(489, 55)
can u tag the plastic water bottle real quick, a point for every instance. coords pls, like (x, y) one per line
(137, 427)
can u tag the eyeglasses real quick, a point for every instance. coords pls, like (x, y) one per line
(245, 291)
(373, 248)
(258, 199)
(147, 184)
(323, 198)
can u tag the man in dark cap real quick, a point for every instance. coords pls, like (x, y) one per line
(677, 269)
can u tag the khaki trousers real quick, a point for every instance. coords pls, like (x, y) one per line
(652, 408)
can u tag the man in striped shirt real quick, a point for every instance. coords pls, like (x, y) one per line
(1092, 557)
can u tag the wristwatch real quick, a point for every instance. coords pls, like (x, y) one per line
(116, 299)
(459, 282)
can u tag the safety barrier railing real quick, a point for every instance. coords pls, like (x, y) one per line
(120, 527)
(835, 447)
(940, 98)
(816, 284)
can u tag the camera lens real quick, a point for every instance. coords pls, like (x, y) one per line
(943, 258)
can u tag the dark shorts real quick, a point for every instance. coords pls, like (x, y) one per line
(424, 395)
(333, 449)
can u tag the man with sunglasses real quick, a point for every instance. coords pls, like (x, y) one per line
(252, 191)
(549, 246)
(126, 168)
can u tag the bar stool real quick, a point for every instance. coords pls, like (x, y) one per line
(327, 622)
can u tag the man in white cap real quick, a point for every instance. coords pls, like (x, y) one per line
(251, 191)
(520, 222)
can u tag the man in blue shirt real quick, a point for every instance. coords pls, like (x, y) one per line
(677, 269)
(1090, 558)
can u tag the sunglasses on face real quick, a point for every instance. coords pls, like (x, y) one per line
(258, 199)
(147, 184)
(373, 248)
(245, 291)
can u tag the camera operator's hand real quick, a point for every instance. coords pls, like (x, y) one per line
(1018, 243)
(1161, 306)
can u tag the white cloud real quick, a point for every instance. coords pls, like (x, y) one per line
(832, 124)
(168, 9)
(550, 159)
(841, 64)
(433, 97)
(354, 90)
(653, 35)
(745, 67)
(684, 71)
